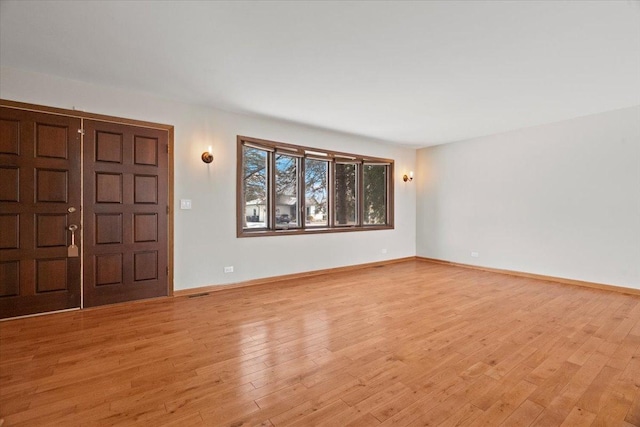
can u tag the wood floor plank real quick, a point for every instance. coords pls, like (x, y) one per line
(505, 405)
(579, 417)
(633, 414)
(411, 343)
(592, 398)
(524, 415)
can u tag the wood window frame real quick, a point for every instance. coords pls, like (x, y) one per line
(332, 157)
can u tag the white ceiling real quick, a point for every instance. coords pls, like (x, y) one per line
(415, 73)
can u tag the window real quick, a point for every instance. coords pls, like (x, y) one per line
(316, 192)
(345, 194)
(254, 187)
(288, 189)
(375, 193)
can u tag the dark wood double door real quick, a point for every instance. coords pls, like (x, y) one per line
(109, 182)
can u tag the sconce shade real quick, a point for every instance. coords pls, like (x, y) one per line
(207, 157)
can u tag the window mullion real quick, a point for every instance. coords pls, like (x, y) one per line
(386, 193)
(271, 180)
(331, 210)
(360, 193)
(390, 195)
(302, 194)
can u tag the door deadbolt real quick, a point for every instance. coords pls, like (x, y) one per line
(71, 209)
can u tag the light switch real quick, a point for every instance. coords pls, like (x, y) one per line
(185, 204)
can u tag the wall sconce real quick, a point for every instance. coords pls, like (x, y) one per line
(207, 157)
(406, 178)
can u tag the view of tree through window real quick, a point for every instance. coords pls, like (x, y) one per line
(345, 195)
(254, 171)
(316, 192)
(375, 194)
(288, 189)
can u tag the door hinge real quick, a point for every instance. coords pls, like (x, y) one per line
(167, 209)
(167, 270)
(81, 131)
(167, 148)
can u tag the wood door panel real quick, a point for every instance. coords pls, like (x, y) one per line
(145, 189)
(108, 188)
(52, 186)
(108, 228)
(145, 227)
(51, 274)
(9, 278)
(9, 136)
(108, 147)
(51, 230)
(145, 266)
(39, 180)
(51, 141)
(9, 224)
(145, 151)
(9, 184)
(126, 196)
(108, 269)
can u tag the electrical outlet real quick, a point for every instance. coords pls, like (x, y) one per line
(228, 269)
(475, 254)
(384, 251)
(185, 204)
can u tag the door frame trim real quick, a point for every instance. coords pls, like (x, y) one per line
(120, 120)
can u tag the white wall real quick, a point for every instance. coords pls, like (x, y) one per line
(561, 199)
(205, 237)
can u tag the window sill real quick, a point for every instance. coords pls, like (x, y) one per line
(319, 230)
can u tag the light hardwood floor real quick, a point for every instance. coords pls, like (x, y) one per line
(414, 343)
